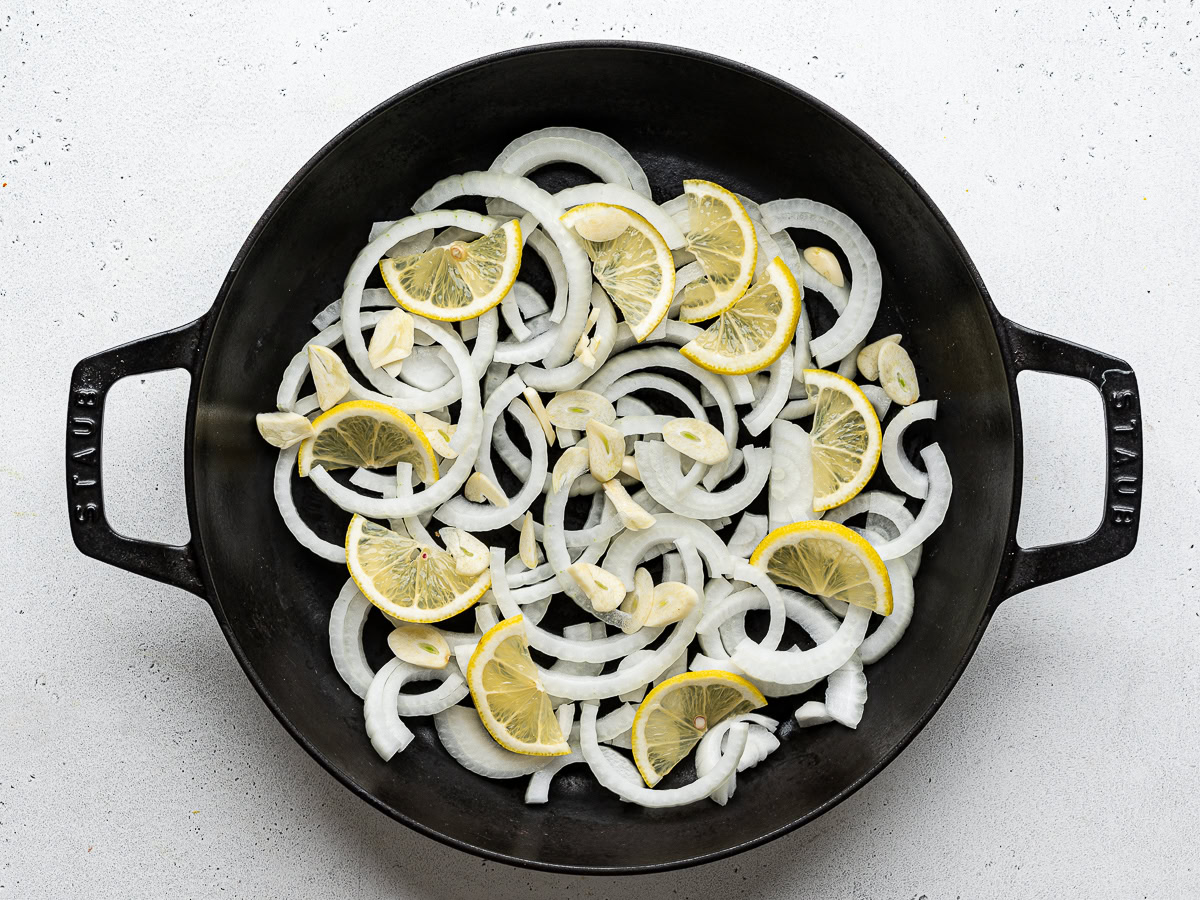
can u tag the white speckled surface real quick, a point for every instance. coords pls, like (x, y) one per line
(138, 147)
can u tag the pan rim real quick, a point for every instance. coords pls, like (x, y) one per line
(998, 323)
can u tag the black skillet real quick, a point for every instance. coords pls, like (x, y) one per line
(271, 597)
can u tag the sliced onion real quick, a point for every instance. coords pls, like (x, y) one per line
(892, 628)
(635, 792)
(933, 510)
(760, 743)
(652, 381)
(812, 712)
(656, 460)
(388, 734)
(879, 399)
(372, 298)
(347, 620)
(784, 667)
(886, 515)
(620, 196)
(866, 283)
(464, 737)
(790, 485)
(546, 150)
(906, 476)
(774, 398)
(462, 513)
(546, 209)
(634, 175)
(285, 467)
(575, 373)
(630, 547)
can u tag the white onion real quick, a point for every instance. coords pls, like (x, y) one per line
(773, 399)
(387, 733)
(933, 510)
(462, 513)
(633, 171)
(285, 467)
(570, 376)
(866, 278)
(790, 485)
(784, 667)
(635, 792)
(892, 628)
(629, 547)
(347, 620)
(546, 150)
(899, 467)
(464, 737)
(656, 460)
(879, 399)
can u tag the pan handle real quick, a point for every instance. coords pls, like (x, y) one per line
(90, 383)
(1030, 350)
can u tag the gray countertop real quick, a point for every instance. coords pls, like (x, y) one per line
(140, 144)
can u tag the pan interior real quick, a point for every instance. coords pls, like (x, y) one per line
(273, 597)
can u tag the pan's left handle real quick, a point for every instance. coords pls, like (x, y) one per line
(90, 383)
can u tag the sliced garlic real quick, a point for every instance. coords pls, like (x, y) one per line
(592, 319)
(672, 601)
(583, 352)
(392, 340)
(329, 374)
(826, 264)
(283, 429)
(868, 357)
(602, 223)
(471, 555)
(479, 488)
(573, 409)
(898, 375)
(438, 433)
(606, 450)
(572, 457)
(696, 440)
(534, 399)
(528, 548)
(638, 601)
(602, 588)
(632, 516)
(629, 467)
(420, 645)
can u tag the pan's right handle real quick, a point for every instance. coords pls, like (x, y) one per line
(1117, 534)
(90, 383)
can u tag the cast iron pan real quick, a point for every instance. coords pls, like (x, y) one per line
(272, 598)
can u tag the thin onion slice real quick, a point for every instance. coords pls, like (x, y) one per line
(464, 737)
(774, 398)
(866, 284)
(784, 667)
(285, 468)
(906, 476)
(546, 150)
(635, 792)
(347, 620)
(387, 733)
(933, 510)
(656, 460)
(891, 628)
(634, 174)
(790, 484)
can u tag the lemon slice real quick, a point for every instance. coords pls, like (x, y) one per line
(509, 696)
(755, 331)
(630, 259)
(460, 281)
(370, 435)
(406, 579)
(721, 237)
(677, 713)
(846, 438)
(829, 560)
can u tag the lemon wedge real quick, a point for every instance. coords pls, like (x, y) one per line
(406, 579)
(754, 332)
(459, 281)
(677, 713)
(509, 696)
(630, 259)
(721, 237)
(846, 438)
(370, 435)
(829, 560)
